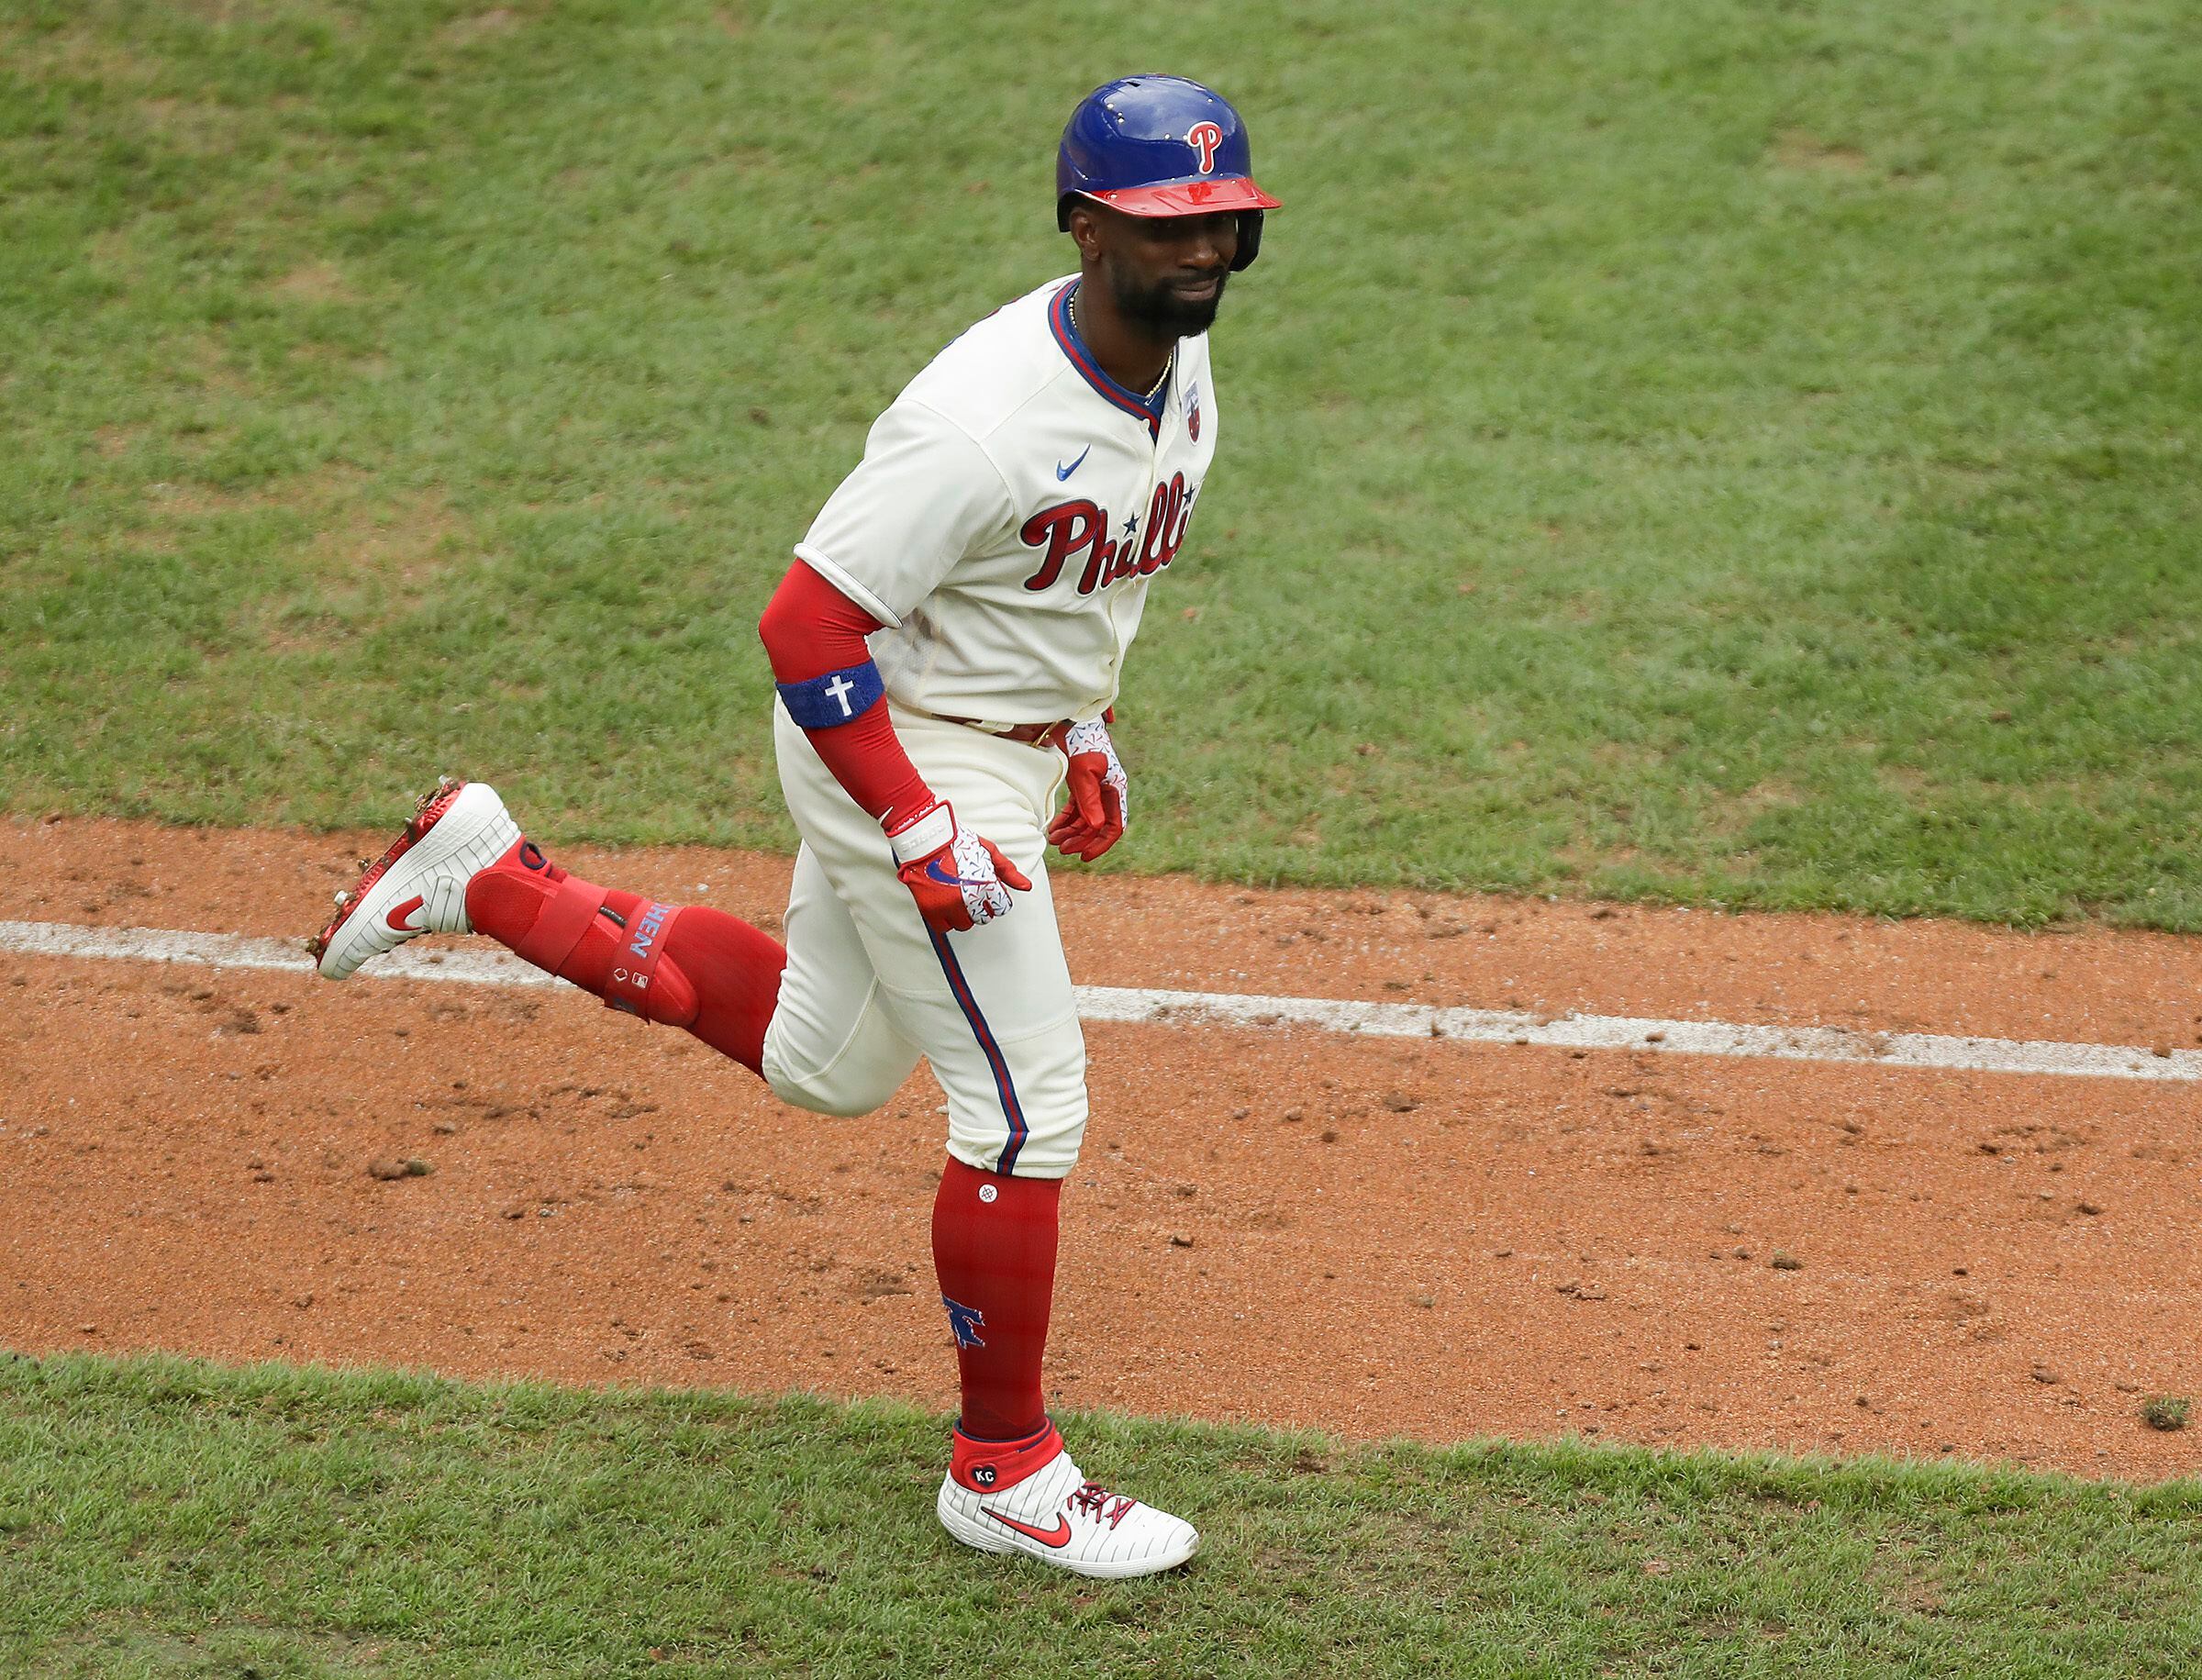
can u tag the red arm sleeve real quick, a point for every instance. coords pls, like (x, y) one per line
(810, 628)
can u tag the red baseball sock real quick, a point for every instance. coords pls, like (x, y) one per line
(993, 1249)
(684, 964)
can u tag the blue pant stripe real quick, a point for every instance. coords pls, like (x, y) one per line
(1012, 1110)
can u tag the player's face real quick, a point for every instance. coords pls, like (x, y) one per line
(1167, 272)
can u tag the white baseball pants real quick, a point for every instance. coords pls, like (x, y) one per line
(869, 988)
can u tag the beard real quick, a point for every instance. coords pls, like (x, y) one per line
(1161, 311)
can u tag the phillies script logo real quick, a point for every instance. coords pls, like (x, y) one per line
(1082, 528)
(1204, 138)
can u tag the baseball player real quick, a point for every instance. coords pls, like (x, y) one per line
(947, 646)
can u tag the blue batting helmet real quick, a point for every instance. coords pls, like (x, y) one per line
(1160, 145)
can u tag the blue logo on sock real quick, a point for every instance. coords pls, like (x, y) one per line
(965, 1322)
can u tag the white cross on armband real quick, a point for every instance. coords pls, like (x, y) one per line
(851, 693)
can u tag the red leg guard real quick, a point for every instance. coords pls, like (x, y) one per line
(993, 1249)
(640, 981)
(562, 918)
(733, 971)
(685, 965)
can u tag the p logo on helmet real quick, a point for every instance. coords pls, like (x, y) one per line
(1204, 138)
(1160, 145)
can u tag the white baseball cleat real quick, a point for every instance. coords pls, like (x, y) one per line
(1027, 1497)
(420, 884)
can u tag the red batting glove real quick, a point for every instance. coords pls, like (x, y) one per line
(959, 879)
(1093, 819)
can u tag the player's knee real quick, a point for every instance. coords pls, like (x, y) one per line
(829, 1066)
(1051, 1149)
(1031, 1124)
(841, 1089)
(824, 1098)
(1045, 1145)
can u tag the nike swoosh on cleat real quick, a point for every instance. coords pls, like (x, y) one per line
(1063, 472)
(1057, 1537)
(400, 916)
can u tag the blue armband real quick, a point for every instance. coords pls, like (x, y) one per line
(837, 698)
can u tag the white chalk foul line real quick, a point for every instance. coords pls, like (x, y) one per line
(1109, 1003)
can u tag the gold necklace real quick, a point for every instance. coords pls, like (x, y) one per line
(1070, 308)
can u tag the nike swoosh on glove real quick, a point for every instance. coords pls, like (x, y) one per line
(1092, 818)
(959, 879)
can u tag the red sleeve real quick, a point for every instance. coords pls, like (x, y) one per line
(810, 628)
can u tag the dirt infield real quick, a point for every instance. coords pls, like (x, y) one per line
(1283, 1227)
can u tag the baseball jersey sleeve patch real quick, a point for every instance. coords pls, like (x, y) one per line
(837, 698)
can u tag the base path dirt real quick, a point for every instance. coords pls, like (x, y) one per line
(1295, 1228)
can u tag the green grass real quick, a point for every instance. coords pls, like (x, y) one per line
(1731, 452)
(159, 1517)
(1734, 453)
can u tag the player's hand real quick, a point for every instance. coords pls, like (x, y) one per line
(1092, 819)
(959, 879)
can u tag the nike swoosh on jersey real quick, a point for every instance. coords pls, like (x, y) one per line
(401, 915)
(1063, 472)
(1058, 1537)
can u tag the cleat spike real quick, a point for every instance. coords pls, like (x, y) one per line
(443, 785)
(453, 828)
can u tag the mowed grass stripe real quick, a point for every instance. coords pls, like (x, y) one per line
(1701, 452)
(164, 1517)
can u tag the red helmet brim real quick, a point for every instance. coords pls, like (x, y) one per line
(1201, 197)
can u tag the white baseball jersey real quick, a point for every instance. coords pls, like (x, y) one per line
(1012, 507)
